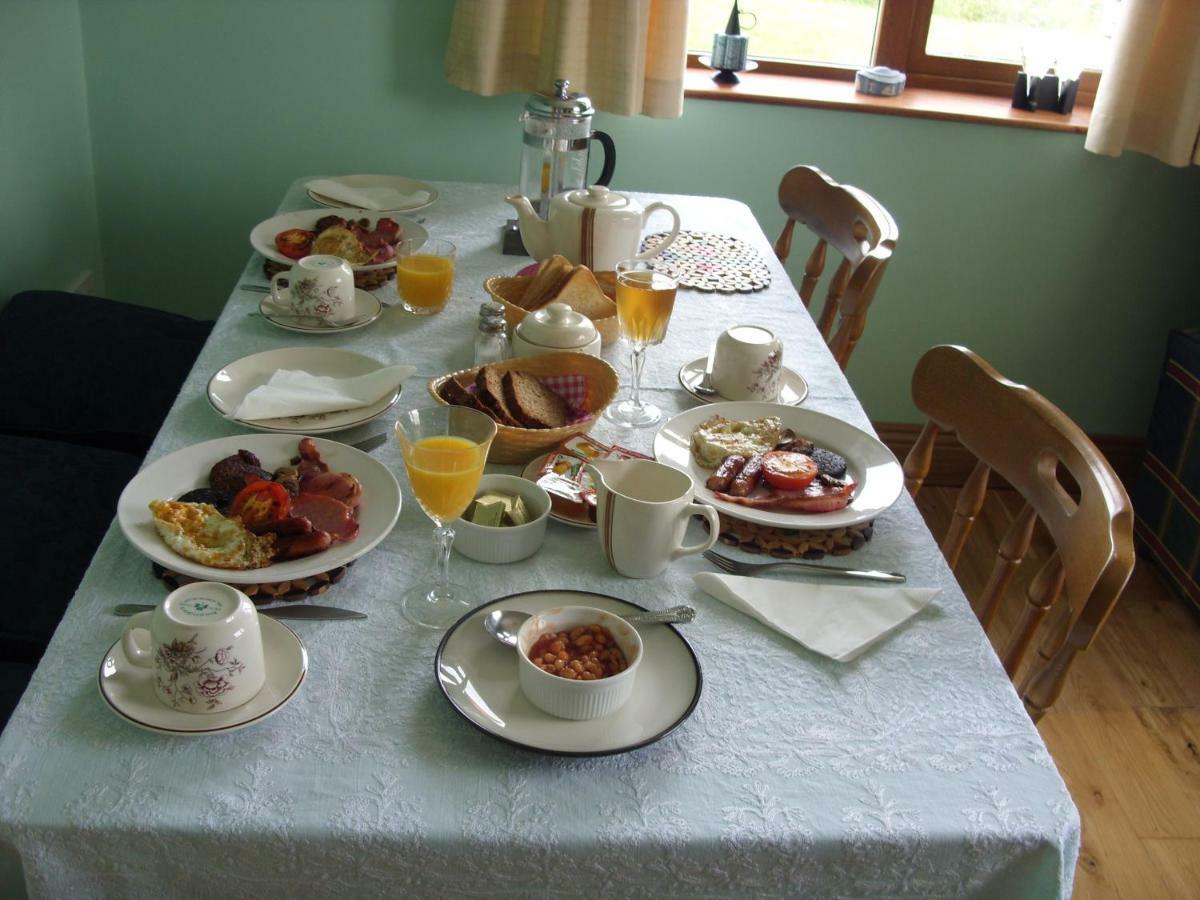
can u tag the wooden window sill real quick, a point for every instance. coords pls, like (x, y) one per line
(922, 103)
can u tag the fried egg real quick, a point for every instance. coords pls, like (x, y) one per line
(718, 437)
(200, 533)
(341, 242)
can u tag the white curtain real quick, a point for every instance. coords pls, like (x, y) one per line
(628, 56)
(1149, 97)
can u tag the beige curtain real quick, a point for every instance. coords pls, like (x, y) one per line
(1149, 97)
(628, 56)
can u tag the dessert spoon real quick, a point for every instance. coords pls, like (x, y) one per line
(503, 624)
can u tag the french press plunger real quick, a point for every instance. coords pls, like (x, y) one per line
(554, 155)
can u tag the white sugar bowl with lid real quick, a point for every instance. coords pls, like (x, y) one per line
(555, 327)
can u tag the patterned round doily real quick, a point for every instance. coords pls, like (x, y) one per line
(261, 594)
(789, 543)
(710, 262)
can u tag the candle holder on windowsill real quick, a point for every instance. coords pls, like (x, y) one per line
(1047, 92)
(728, 76)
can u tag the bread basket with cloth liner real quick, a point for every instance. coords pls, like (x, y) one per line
(588, 384)
(507, 290)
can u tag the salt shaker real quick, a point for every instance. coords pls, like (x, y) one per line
(491, 340)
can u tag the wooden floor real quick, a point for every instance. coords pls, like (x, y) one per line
(1126, 731)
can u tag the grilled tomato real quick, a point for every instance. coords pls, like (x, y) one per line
(788, 471)
(295, 243)
(261, 501)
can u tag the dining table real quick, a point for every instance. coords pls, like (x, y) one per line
(912, 770)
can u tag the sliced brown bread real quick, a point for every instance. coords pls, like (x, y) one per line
(534, 405)
(457, 395)
(489, 390)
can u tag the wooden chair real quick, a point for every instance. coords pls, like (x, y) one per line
(859, 228)
(1031, 443)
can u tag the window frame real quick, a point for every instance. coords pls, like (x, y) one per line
(900, 38)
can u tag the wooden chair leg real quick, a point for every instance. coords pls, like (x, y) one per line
(1008, 559)
(1044, 590)
(1045, 685)
(970, 502)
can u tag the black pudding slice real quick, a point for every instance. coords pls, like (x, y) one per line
(829, 463)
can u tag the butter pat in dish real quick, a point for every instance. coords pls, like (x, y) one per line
(513, 498)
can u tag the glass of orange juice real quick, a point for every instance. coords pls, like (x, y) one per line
(425, 275)
(645, 299)
(444, 450)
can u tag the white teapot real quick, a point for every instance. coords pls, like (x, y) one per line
(593, 226)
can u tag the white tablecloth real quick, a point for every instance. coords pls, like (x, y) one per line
(913, 771)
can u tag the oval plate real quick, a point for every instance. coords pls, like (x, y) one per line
(229, 386)
(479, 678)
(262, 236)
(179, 472)
(871, 464)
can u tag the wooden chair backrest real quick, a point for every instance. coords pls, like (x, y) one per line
(857, 226)
(1018, 433)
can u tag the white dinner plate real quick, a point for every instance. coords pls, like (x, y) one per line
(129, 690)
(367, 309)
(793, 389)
(229, 386)
(262, 236)
(479, 678)
(396, 182)
(871, 464)
(183, 470)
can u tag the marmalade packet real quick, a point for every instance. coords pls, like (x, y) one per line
(565, 477)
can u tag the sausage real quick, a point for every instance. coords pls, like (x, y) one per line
(294, 546)
(729, 467)
(327, 514)
(748, 479)
(290, 525)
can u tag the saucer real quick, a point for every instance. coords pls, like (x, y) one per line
(367, 309)
(793, 389)
(129, 689)
(478, 677)
(531, 473)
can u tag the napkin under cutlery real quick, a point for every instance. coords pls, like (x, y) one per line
(838, 621)
(291, 392)
(373, 198)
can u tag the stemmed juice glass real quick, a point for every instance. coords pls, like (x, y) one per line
(645, 299)
(425, 275)
(444, 450)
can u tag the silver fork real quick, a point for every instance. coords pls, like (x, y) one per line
(737, 567)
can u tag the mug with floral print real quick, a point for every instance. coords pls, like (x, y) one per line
(204, 646)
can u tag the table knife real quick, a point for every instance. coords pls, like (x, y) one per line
(366, 445)
(275, 612)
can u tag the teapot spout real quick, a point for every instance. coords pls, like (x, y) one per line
(535, 233)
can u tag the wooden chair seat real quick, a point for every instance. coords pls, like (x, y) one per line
(858, 227)
(1066, 484)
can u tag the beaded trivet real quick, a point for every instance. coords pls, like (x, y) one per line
(262, 594)
(710, 262)
(791, 543)
(364, 281)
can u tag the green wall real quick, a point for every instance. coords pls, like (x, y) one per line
(48, 228)
(1062, 268)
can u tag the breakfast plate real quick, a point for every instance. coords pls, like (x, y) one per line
(229, 386)
(262, 236)
(367, 309)
(531, 472)
(793, 389)
(478, 676)
(398, 183)
(129, 690)
(181, 471)
(876, 471)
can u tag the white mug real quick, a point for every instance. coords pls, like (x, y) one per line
(204, 646)
(747, 362)
(642, 513)
(319, 286)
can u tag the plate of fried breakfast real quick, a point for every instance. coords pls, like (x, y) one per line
(259, 508)
(781, 466)
(367, 241)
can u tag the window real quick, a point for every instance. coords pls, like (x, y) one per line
(963, 45)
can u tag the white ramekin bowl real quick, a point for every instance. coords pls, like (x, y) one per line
(567, 698)
(505, 544)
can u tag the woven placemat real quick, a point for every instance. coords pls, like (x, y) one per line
(262, 594)
(710, 262)
(364, 281)
(791, 543)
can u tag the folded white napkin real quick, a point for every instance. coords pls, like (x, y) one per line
(293, 393)
(838, 621)
(367, 197)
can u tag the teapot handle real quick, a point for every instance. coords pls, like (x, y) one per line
(670, 237)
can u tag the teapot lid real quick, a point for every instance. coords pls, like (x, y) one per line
(559, 103)
(558, 326)
(597, 197)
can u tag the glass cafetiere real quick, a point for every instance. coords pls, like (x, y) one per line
(554, 154)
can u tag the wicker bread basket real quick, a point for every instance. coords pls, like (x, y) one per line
(507, 289)
(519, 445)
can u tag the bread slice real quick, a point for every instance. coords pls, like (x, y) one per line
(489, 390)
(582, 293)
(550, 277)
(534, 406)
(457, 395)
